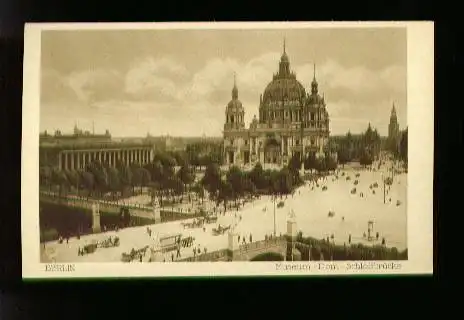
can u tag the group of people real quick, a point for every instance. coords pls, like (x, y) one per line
(243, 238)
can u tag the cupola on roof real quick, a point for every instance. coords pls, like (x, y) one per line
(234, 104)
(284, 85)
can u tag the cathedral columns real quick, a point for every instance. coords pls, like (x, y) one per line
(72, 160)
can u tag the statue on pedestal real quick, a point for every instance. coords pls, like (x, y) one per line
(96, 217)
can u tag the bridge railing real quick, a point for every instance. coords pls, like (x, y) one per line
(210, 256)
(263, 244)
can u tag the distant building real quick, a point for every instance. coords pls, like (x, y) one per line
(394, 134)
(291, 122)
(393, 126)
(77, 150)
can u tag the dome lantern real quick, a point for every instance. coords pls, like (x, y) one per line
(235, 89)
(314, 82)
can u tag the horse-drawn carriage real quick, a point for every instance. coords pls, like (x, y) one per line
(211, 219)
(90, 248)
(134, 254)
(220, 230)
(196, 223)
(109, 243)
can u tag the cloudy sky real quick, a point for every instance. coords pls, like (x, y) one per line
(178, 82)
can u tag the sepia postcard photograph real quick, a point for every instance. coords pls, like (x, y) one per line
(270, 149)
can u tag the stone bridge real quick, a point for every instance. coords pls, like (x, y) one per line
(247, 252)
(137, 210)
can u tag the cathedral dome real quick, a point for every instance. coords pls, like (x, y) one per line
(284, 88)
(284, 85)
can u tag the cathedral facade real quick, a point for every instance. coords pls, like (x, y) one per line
(291, 122)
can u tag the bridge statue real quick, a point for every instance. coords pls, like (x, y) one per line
(96, 217)
(291, 234)
(233, 241)
(156, 214)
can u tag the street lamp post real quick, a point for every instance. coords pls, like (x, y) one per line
(274, 217)
(383, 180)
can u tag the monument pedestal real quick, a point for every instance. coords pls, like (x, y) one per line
(96, 218)
(157, 215)
(291, 235)
(233, 244)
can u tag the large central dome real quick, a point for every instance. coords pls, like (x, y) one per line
(284, 85)
(282, 89)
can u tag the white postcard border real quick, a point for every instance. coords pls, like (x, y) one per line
(420, 82)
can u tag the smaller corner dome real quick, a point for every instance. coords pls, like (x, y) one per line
(234, 104)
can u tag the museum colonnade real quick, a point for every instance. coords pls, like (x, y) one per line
(78, 159)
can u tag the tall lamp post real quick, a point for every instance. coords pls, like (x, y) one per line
(274, 216)
(383, 181)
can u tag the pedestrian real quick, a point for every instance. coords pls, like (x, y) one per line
(172, 257)
(178, 252)
(238, 238)
(377, 236)
(140, 258)
(194, 252)
(251, 238)
(383, 241)
(349, 239)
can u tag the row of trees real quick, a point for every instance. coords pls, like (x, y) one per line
(363, 148)
(98, 179)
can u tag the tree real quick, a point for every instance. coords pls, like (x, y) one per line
(186, 175)
(285, 185)
(100, 175)
(330, 163)
(404, 146)
(114, 181)
(310, 162)
(136, 178)
(257, 176)
(294, 163)
(235, 177)
(320, 165)
(145, 178)
(74, 178)
(45, 176)
(156, 171)
(274, 182)
(125, 177)
(343, 155)
(212, 178)
(88, 180)
(226, 192)
(366, 158)
(60, 179)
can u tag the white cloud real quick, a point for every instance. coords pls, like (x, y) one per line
(150, 78)
(95, 85)
(332, 75)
